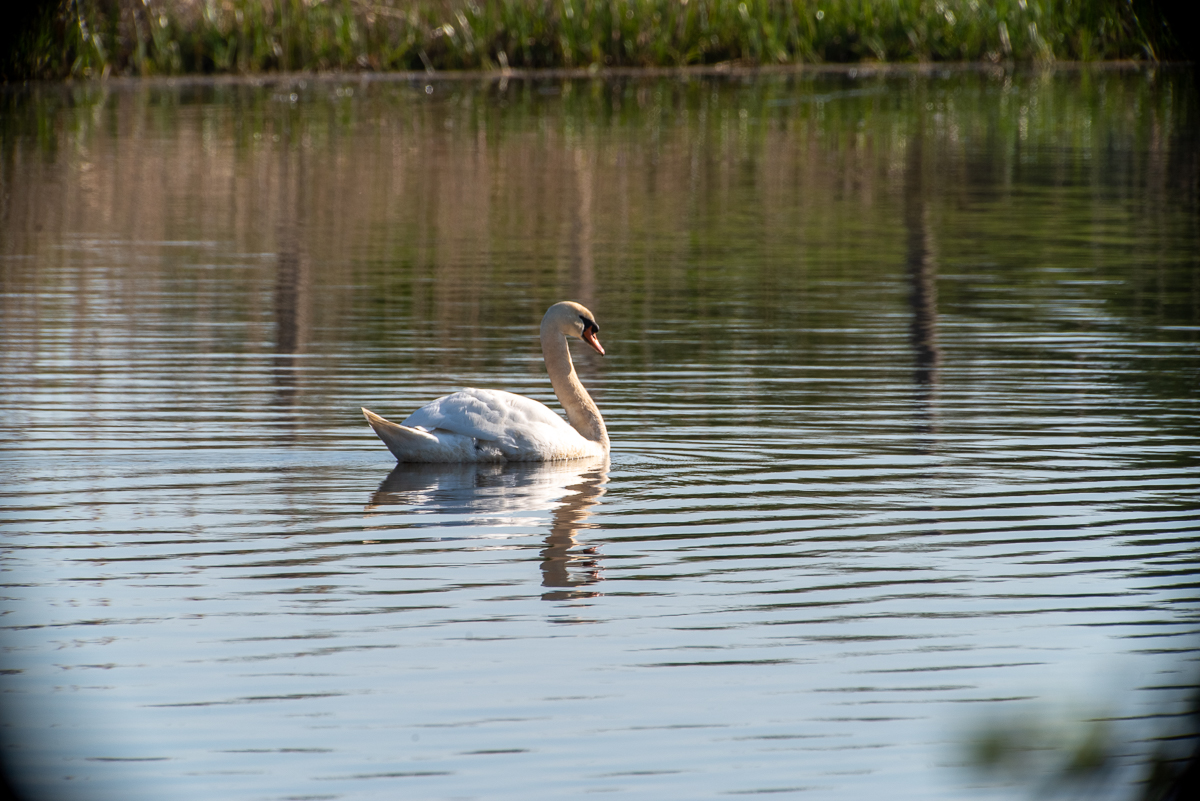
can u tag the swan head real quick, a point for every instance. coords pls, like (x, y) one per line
(572, 319)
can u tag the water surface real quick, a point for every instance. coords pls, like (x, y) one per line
(902, 384)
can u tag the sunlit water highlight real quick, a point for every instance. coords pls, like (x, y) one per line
(902, 389)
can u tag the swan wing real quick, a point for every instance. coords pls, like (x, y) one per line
(418, 445)
(519, 428)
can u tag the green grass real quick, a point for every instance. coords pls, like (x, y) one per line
(88, 38)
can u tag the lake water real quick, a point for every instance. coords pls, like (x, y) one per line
(903, 385)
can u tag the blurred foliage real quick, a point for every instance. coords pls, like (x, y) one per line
(90, 38)
(1054, 754)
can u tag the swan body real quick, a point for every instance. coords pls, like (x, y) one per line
(488, 425)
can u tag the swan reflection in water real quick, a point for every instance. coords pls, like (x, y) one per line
(496, 494)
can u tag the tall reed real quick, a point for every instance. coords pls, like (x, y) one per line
(148, 37)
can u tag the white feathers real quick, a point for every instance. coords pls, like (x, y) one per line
(483, 425)
(488, 425)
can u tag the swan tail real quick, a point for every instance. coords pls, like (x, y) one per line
(406, 444)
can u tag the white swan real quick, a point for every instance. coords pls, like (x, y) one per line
(489, 425)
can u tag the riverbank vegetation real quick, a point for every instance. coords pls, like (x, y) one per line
(94, 38)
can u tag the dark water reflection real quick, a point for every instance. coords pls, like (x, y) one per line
(489, 494)
(902, 381)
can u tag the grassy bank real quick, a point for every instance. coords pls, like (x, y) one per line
(89, 38)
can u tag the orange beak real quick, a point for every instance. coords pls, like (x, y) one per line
(589, 336)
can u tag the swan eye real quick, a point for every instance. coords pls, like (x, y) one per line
(589, 325)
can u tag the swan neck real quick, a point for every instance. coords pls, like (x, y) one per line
(581, 409)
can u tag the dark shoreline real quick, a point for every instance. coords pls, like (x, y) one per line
(858, 70)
